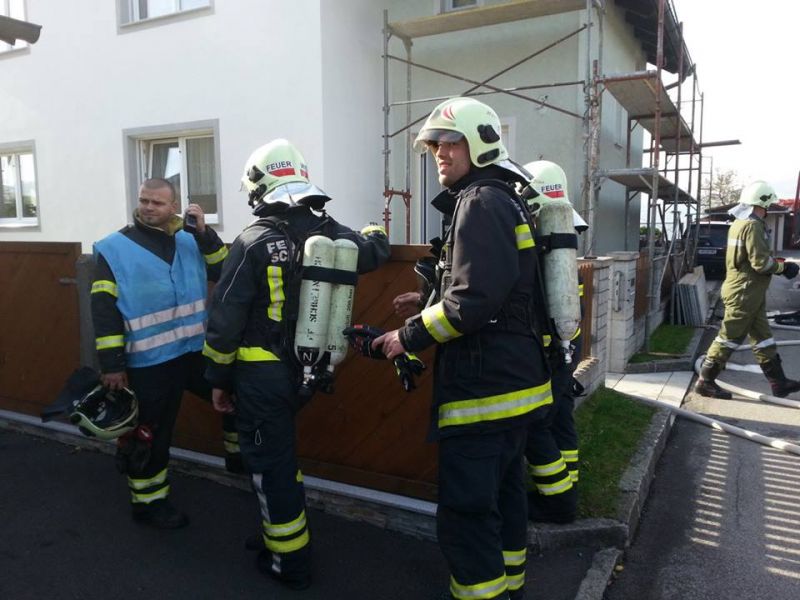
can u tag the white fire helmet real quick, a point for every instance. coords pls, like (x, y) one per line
(548, 180)
(758, 193)
(474, 121)
(276, 173)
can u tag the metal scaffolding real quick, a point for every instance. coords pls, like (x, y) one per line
(675, 155)
(675, 183)
(407, 31)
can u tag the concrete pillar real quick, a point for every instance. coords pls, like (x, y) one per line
(622, 334)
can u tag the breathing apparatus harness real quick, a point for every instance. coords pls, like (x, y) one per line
(320, 378)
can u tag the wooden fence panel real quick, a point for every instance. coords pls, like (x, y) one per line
(369, 432)
(39, 324)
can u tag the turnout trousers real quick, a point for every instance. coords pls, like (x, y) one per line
(159, 389)
(266, 405)
(551, 451)
(482, 516)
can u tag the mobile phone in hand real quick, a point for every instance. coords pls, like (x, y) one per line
(189, 223)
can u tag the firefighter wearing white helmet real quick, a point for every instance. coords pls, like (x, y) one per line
(491, 378)
(552, 446)
(749, 268)
(250, 338)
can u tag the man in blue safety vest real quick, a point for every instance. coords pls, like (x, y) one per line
(148, 303)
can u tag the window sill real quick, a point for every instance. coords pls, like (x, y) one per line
(165, 19)
(22, 50)
(17, 225)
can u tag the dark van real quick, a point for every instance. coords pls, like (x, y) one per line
(712, 240)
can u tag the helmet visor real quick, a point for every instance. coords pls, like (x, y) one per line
(294, 193)
(427, 136)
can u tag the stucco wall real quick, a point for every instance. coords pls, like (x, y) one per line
(309, 70)
(243, 64)
(535, 132)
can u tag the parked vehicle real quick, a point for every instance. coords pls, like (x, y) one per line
(712, 240)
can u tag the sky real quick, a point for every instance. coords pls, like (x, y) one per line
(748, 56)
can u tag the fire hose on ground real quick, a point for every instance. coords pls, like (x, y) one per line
(776, 443)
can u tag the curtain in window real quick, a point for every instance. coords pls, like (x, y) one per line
(166, 163)
(201, 173)
(28, 185)
(8, 181)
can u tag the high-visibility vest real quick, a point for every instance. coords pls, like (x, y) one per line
(163, 305)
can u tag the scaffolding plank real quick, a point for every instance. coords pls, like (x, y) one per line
(514, 10)
(637, 93)
(641, 180)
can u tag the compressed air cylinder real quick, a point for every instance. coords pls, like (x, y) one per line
(311, 332)
(342, 295)
(560, 269)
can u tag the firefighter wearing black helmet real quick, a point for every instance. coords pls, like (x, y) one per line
(490, 376)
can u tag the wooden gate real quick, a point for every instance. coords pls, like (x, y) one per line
(369, 432)
(39, 324)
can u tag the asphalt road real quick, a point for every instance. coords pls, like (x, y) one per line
(66, 533)
(723, 517)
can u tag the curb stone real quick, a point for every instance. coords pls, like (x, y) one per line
(596, 580)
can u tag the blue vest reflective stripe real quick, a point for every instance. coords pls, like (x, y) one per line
(164, 306)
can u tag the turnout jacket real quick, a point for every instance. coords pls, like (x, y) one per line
(109, 321)
(748, 260)
(251, 303)
(490, 372)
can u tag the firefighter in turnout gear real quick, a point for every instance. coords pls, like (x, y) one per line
(749, 268)
(249, 345)
(148, 302)
(552, 446)
(490, 375)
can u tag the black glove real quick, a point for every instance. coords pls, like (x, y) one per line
(360, 338)
(790, 270)
(408, 366)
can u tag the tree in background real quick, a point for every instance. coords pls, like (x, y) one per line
(725, 189)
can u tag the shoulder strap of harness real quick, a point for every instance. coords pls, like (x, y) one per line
(541, 321)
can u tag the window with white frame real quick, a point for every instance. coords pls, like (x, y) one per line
(16, 10)
(132, 11)
(18, 204)
(189, 163)
(453, 5)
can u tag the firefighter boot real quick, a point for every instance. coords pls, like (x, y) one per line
(780, 384)
(560, 508)
(160, 514)
(706, 385)
(264, 563)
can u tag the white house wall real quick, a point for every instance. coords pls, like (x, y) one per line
(308, 70)
(352, 96)
(252, 66)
